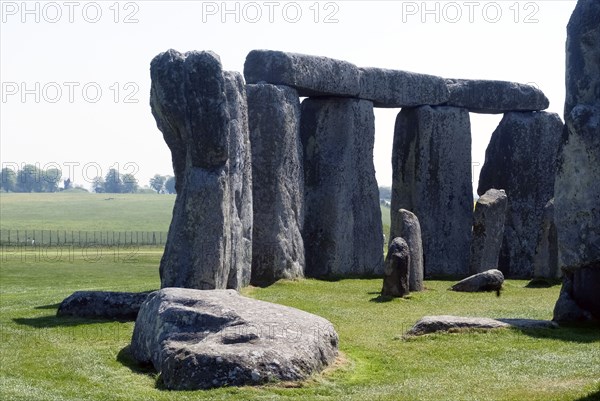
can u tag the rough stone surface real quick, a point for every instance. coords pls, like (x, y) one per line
(199, 109)
(102, 305)
(309, 75)
(488, 230)
(278, 183)
(431, 161)
(521, 159)
(204, 339)
(409, 229)
(566, 309)
(396, 88)
(342, 229)
(495, 97)
(490, 280)
(447, 323)
(240, 181)
(545, 261)
(396, 273)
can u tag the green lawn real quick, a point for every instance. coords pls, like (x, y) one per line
(43, 357)
(86, 211)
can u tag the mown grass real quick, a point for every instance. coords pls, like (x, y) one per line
(86, 211)
(44, 357)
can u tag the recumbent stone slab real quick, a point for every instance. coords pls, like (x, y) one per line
(343, 234)
(495, 97)
(490, 280)
(203, 339)
(431, 162)
(278, 183)
(102, 305)
(521, 159)
(448, 323)
(488, 230)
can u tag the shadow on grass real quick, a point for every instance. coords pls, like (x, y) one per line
(543, 283)
(126, 359)
(381, 298)
(591, 397)
(579, 333)
(46, 322)
(50, 306)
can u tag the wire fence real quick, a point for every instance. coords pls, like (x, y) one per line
(81, 238)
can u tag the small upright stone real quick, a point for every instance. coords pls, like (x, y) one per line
(545, 261)
(278, 187)
(495, 97)
(343, 234)
(521, 159)
(395, 276)
(488, 230)
(408, 227)
(309, 75)
(396, 88)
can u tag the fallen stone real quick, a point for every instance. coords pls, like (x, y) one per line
(495, 97)
(396, 88)
(202, 115)
(102, 305)
(343, 234)
(205, 339)
(396, 273)
(521, 159)
(278, 186)
(447, 323)
(490, 280)
(488, 230)
(309, 75)
(409, 229)
(431, 162)
(545, 260)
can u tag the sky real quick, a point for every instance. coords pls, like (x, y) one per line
(75, 80)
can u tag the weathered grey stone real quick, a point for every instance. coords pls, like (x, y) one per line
(198, 111)
(447, 323)
(309, 75)
(278, 173)
(204, 339)
(566, 309)
(431, 163)
(521, 159)
(396, 273)
(488, 230)
(240, 181)
(490, 280)
(102, 305)
(343, 233)
(495, 97)
(396, 88)
(545, 260)
(408, 227)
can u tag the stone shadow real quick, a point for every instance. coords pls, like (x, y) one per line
(583, 333)
(591, 397)
(125, 358)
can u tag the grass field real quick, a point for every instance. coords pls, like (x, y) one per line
(43, 357)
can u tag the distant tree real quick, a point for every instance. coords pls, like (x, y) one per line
(170, 185)
(50, 179)
(158, 182)
(98, 185)
(112, 182)
(385, 193)
(8, 180)
(67, 184)
(130, 184)
(29, 179)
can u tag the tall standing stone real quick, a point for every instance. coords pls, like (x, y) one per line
(521, 159)
(343, 234)
(408, 228)
(431, 163)
(488, 230)
(193, 103)
(545, 261)
(577, 193)
(278, 186)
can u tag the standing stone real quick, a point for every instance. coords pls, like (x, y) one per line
(431, 163)
(577, 193)
(396, 273)
(521, 159)
(240, 181)
(278, 186)
(545, 261)
(343, 234)
(488, 230)
(409, 229)
(193, 103)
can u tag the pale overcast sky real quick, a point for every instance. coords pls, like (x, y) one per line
(75, 74)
